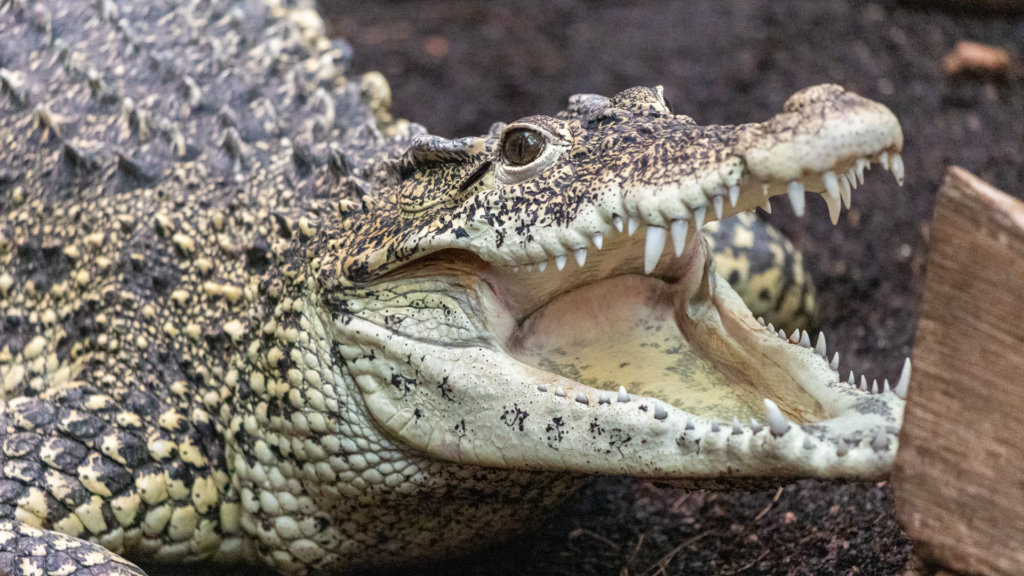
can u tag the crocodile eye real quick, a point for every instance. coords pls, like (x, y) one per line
(522, 146)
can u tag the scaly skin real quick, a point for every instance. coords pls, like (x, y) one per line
(247, 313)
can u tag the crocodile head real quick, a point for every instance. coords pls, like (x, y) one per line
(540, 298)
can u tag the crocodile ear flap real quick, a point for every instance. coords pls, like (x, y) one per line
(427, 151)
(436, 170)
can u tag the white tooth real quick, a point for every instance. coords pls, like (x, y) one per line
(885, 386)
(776, 421)
(698, 217)
(795, 336)
(881, 442)
(852, 380)
(897, 168)
(617, 222)
(659, 411)
(808, 443)
(842, 448)
(542, 266)
(623, 395)
(851, 175)
(767, 207)
(603, 398)
(678, 230)
(821, 347)
(718, 201)
(734, 195)
(764, 188)
(714, 424)
(559, 392)
(834, 364)
(796, 196)
(874, 386)
(560, 261)
(760, 320)
(529, 267)
(771, 328)
(805, 339)
(755, 426)
(844, 190)
(632, 226)
(861, 164)
(883, 159)
(831, 184)
(581, 398)
(835, 207)
(542, 388)
(904, 382)
(782, 334)
(581, 256)
(515, 268)
(736, 427)
(656, 237)
(598, 240)
(863, 383)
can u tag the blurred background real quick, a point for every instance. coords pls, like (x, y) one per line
(458, 66)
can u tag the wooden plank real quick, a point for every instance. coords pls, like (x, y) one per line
(959, 472)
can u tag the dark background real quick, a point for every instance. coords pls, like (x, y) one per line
(456, 67)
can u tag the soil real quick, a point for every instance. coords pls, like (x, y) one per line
(458, 66)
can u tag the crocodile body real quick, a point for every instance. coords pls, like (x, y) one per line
(249, 314)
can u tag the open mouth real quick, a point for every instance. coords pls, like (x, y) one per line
(641, 318)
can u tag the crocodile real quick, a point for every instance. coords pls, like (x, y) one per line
(249, 314)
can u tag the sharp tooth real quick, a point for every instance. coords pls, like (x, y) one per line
(755, 426)
(796, 196)
(659, 411)
(515, 268)
(598, 240)
(861, 164)
(863, 383)
(805, 339)
(776, 421)
(852, 380)
(560, 261)
(617, 222)
(795, 336)
(808, 443)
(844, 190)
(897, 168)
(851, 176)
(736, 427)
(821, 347)
(581, 256)
(603, 398)
(760, 320)
(764, 188)
(834, 364)
(782, 334)
(714, 425)
(885, 386)
(689, 424)
(559, 392)
(655, 246)
(842, 448)
(904, 382)
(767, 206)
(632, 226)
(831, 184)
(678, 230)
(581, 398)
(881, 441)
(623, 395)
(542, 388)
(883, 159)
(835, 207)
(771, 328)
(874, 386)
(717, 201)
(542, 266)
(698, 217)
(734, 195)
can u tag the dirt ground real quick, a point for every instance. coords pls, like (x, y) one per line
(458, 66)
